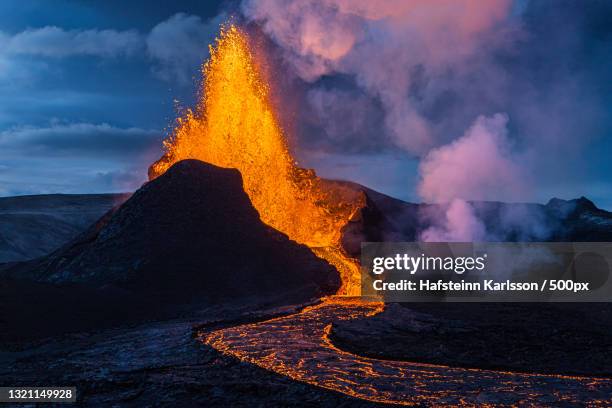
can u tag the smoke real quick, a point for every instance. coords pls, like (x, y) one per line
(429, 78)
(397, 52)
(346, 115)
(480, 165)
(387, 47)
(459, 224)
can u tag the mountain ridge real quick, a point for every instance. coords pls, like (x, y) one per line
(35, 225)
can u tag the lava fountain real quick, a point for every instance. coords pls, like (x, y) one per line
(234, 125)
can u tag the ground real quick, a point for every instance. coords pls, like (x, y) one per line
(159, 364)
(556, 338)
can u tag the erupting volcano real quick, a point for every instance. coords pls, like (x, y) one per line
(235, 126)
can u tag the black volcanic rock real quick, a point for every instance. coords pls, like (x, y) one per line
(559, 338)
(191, 233)
(567, 207)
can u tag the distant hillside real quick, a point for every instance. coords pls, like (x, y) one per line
(32, 226)
(389, 219)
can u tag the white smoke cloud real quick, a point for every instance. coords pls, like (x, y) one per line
(458, 224)
(383, 45)
(407, 55)
(480, 165)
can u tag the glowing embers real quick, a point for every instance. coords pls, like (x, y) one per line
(234, 125)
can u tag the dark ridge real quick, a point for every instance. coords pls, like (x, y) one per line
(559, 220)
(567, 207)
(191, 236)
(193, 229)
(32, 226)
(43, 202)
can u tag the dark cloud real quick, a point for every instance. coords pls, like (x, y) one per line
(344, 119)
(145, 14)
(83, 139)
(119, 180)
(75, 158)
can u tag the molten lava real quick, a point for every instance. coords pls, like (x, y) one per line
(234, 125)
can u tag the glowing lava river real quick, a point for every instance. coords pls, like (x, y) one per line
(298, 346)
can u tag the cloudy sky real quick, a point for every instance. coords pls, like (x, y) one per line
(88, 89)
(514, 96)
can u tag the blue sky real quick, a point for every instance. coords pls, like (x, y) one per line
(88, 90)
(85, 100)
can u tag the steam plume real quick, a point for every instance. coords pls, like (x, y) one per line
(478, 166)
(383, 45)
(428, 78)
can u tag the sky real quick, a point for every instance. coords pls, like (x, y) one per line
(501, 100)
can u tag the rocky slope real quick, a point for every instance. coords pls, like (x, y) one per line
(190, 237)
(32, 226)
(193, 230)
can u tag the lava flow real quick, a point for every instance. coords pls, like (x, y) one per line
(299, 346)
(235, 125)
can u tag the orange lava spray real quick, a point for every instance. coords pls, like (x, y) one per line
(235, 125)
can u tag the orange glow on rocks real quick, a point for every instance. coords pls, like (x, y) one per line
(235, 125)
